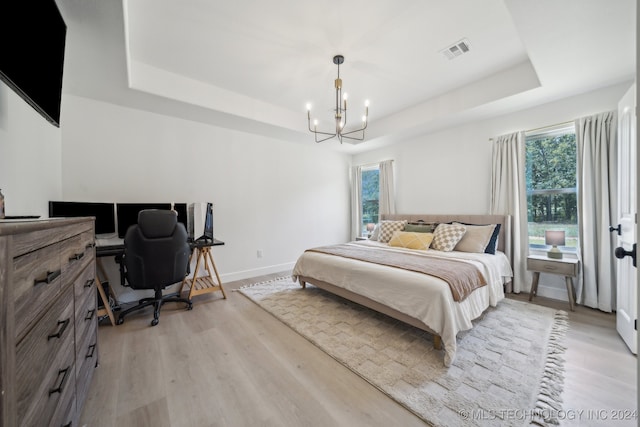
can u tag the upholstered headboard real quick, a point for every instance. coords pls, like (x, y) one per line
(504, 220)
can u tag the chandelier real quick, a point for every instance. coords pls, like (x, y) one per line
(340, 114)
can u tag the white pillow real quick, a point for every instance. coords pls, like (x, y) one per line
(476, 238)
(375, 233)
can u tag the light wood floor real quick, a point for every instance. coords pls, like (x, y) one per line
(229, 363)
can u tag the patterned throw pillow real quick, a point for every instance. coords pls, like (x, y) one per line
(388, 227)
(411, 240)
(447, 236)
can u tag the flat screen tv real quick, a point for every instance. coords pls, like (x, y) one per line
(33, 38)
(104, 213)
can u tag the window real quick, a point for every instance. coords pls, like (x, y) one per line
(370, 197)
(551, 184)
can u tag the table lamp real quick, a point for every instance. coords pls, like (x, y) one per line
(370, 227)
(554, 238)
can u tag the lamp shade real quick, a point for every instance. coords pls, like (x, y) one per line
(370, 226)
(554, 238)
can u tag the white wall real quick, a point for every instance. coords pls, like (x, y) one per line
(29, 157)
(277, 197)
(450, 171)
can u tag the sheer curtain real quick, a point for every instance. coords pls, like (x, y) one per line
(597, 202)
(509, 197)
(387, 196)
(356, 201)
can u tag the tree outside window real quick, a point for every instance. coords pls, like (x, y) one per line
(370, 197)
(551, 184)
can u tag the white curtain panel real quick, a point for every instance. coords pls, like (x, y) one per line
(597, 175)
(509, 197)
(356, 205)
(387, 192)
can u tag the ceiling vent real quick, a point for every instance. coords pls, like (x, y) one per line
(456, 49)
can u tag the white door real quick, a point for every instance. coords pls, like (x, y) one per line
(626, 273)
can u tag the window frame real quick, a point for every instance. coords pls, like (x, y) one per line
(551, 132)
(367, 168)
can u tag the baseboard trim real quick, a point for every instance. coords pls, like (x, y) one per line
(246, 274)
(553, 293)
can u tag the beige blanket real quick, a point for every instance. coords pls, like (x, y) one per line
(463, 278)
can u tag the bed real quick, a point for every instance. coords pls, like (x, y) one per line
(403, 291)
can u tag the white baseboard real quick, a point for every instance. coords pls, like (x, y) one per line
(246, 274)
(553, 293)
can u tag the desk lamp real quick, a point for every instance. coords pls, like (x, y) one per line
(554, 238)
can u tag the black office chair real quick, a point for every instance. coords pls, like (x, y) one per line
(156, 255)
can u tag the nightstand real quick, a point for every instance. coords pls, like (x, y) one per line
(567, 267)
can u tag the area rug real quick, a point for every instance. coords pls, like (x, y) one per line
(508, 369)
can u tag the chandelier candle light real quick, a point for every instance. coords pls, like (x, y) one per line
(340, 114)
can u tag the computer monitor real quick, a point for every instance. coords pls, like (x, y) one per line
(128, 213)
(181, 208)
(103, 212)
(208, 222)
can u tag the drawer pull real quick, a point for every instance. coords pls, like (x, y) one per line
(64, 373)
(64, 324)
(92, 349)
(90, 314)
(51, 276)
(550, 267)
(69, 424)
(90, 245)
(89, 283)
(77, 257)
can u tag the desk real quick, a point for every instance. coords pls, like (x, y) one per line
(199, 285)
(102, 251)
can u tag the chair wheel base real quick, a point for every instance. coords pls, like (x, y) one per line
(154, 322)
(120, 320)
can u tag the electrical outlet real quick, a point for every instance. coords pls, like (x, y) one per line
(259, 253)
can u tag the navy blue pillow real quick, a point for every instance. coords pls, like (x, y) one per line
(493, 242)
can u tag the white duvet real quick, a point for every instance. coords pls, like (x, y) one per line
(418, 295)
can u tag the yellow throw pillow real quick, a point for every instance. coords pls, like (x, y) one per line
(411, 240)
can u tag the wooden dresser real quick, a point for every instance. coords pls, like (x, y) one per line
(48, 320)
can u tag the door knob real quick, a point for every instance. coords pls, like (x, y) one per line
(618, 229)
(621, 253)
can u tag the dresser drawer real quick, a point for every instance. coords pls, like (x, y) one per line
(549, 266)
(75, 254)
(86, 298)
(37, 281)
(87, 350)
(85, 283)
(53, 396)
(28, 242)
(86, 314)
(86, 361)
(66, 412)
(45, 363)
